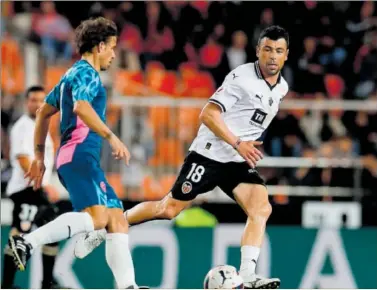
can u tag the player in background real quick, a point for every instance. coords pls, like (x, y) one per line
(81, 99)
(224, 153)
(31, 208)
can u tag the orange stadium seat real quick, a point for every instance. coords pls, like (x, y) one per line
(153, 65)
(169, 152)
(169, 84)
(53, 75)
(154, 79)
(12, 80)
(159, 119)
(151, 188)
(167, 182)
(129, 82)
(188, 68)
(199, 85)
(113, 113)
(115, 180)
(188, 119)
(12, 71)
(334, 85)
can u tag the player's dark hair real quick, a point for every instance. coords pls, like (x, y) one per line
(92, 32)
(274, 32)
(33, 89)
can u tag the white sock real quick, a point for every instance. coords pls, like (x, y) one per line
(119, 259)
(63, 227)
(249, 259)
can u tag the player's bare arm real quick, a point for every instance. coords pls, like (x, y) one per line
(212, 118)
(86, 113)
(37, 167)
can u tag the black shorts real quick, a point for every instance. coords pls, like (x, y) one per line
(28, 205)
(200, 174)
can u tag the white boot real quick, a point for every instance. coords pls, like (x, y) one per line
(258, 282)
(88, 242)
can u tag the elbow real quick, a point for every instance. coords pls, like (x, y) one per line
(206, 117)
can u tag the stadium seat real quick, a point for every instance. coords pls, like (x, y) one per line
(12, 70)
(199, 85)
(151, 188)
(53, 75)
(188, 119)
(158, 119)
(129, 82)
(335, 86)
(188, 68)
(169, 152)
(12, 80)
(113, 114)
(115, 180)
(153, 65)
(167, 182)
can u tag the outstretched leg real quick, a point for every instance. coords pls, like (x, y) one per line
(63, 227)
(167, 208)
(253, 199)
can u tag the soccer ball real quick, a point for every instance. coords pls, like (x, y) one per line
(223, 277)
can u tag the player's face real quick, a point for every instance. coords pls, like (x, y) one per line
(107, 52)
(271, 55)
(34, 102)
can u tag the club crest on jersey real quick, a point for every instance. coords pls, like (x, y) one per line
(186, 187)
(103, 186)
(270, 101)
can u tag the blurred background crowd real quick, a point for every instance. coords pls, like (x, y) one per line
(183, 50)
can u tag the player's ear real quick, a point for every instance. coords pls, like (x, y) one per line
(257, 49)
(101, 46)
(286, 55)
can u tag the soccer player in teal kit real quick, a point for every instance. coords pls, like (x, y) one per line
(81, 99)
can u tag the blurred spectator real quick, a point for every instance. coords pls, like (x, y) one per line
(309, 68)
(22, 22)
(131, 46)
(321, 126)
(284, 136)
(159, 37)
(96, 10)
(236, 54)
(365, 21)
(266, 19)
(55, 32)
(307, 176)
(212, 56)
(366, 66)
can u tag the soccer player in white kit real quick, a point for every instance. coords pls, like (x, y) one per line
(224, 153)
(31, 207)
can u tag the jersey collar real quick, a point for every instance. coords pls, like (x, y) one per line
(259, 74)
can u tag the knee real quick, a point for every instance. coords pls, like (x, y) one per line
(168, 211)
(100, 217)
(261, 210)
(255, 202)
(117, 224)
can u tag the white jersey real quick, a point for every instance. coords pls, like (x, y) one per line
(22, 144)
(249, 103)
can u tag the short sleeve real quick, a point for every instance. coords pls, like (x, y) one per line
(85, 85)
(227, 95)
(20, 141)
(52, 97)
